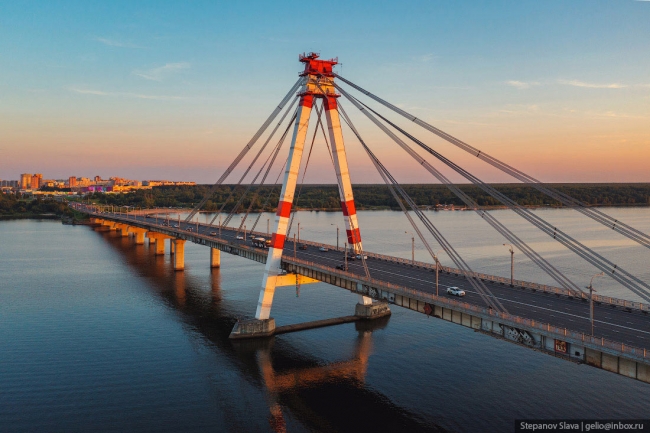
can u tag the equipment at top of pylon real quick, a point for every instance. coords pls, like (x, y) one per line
(320, 76)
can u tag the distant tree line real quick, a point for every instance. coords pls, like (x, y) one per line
(17, 206)
(325, 197)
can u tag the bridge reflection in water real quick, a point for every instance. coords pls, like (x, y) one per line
(534, 318)
(320, 396)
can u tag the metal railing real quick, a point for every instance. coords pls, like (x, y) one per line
(555, 331)
(562, 333)
(486, 277)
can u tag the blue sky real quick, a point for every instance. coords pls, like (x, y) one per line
(173, 90)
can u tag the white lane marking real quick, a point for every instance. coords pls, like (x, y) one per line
(514, 302)
(502, 299)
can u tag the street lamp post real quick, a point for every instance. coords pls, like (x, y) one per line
(435, 257)
(268, 227)
(337, 235)
(412, 248)
(512, 264)
(591, 300)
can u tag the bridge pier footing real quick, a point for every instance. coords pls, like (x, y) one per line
(372, 311)
(253, 328)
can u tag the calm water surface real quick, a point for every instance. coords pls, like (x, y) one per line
(97, 334)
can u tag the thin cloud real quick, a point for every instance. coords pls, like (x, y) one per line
(577, 83)
(522, 84)
(162, 72)
(126, 94)
(425, 58)
(114, 43)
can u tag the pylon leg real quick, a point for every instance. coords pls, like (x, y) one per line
(343, 175)
(284, 209)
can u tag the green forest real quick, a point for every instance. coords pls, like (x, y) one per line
(17, 206)
(325, 197)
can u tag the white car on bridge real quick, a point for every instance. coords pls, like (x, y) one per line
(455, 291)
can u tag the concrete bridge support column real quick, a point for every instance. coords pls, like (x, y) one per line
(139, 235)
(122, 229)
(171, 246)
(160, 247)
(158, 241)
(215, 258)
(179, 254)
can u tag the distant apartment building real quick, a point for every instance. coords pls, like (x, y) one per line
(37, 180)
(26, 181)
(9, 183)
(165, 183)
(51, 183)
(72, 181)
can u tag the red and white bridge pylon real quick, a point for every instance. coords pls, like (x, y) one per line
(318, 84)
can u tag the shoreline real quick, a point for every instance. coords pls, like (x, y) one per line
(378, 208)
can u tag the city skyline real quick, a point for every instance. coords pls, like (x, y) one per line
(178, 94)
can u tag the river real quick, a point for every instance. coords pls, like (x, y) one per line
(98, 334)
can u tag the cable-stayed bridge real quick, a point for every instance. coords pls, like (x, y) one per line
(565, 320)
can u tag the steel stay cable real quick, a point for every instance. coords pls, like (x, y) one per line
(589, 255)
(595, 214)
(340, 185)
(478, 285)
(375, 161)
(600, 262)
(245, 150)
(252, 183)
(232, 192)
(268, 196)
(268, 169)
(499, 227)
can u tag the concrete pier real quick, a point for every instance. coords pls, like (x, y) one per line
(179, 255)
(122, 230)
(215, 258)
(253, 328)
(160, 247)
(372, 311)
(139, 235)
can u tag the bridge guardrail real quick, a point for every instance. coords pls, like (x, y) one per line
(501, 280)
(562, 333)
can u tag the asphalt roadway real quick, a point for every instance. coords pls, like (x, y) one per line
(612, 323)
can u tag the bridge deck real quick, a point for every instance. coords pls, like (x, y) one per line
(626, 325)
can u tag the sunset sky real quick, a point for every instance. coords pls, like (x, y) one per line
(174, 90)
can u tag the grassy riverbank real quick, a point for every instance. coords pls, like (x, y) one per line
(14, 206)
